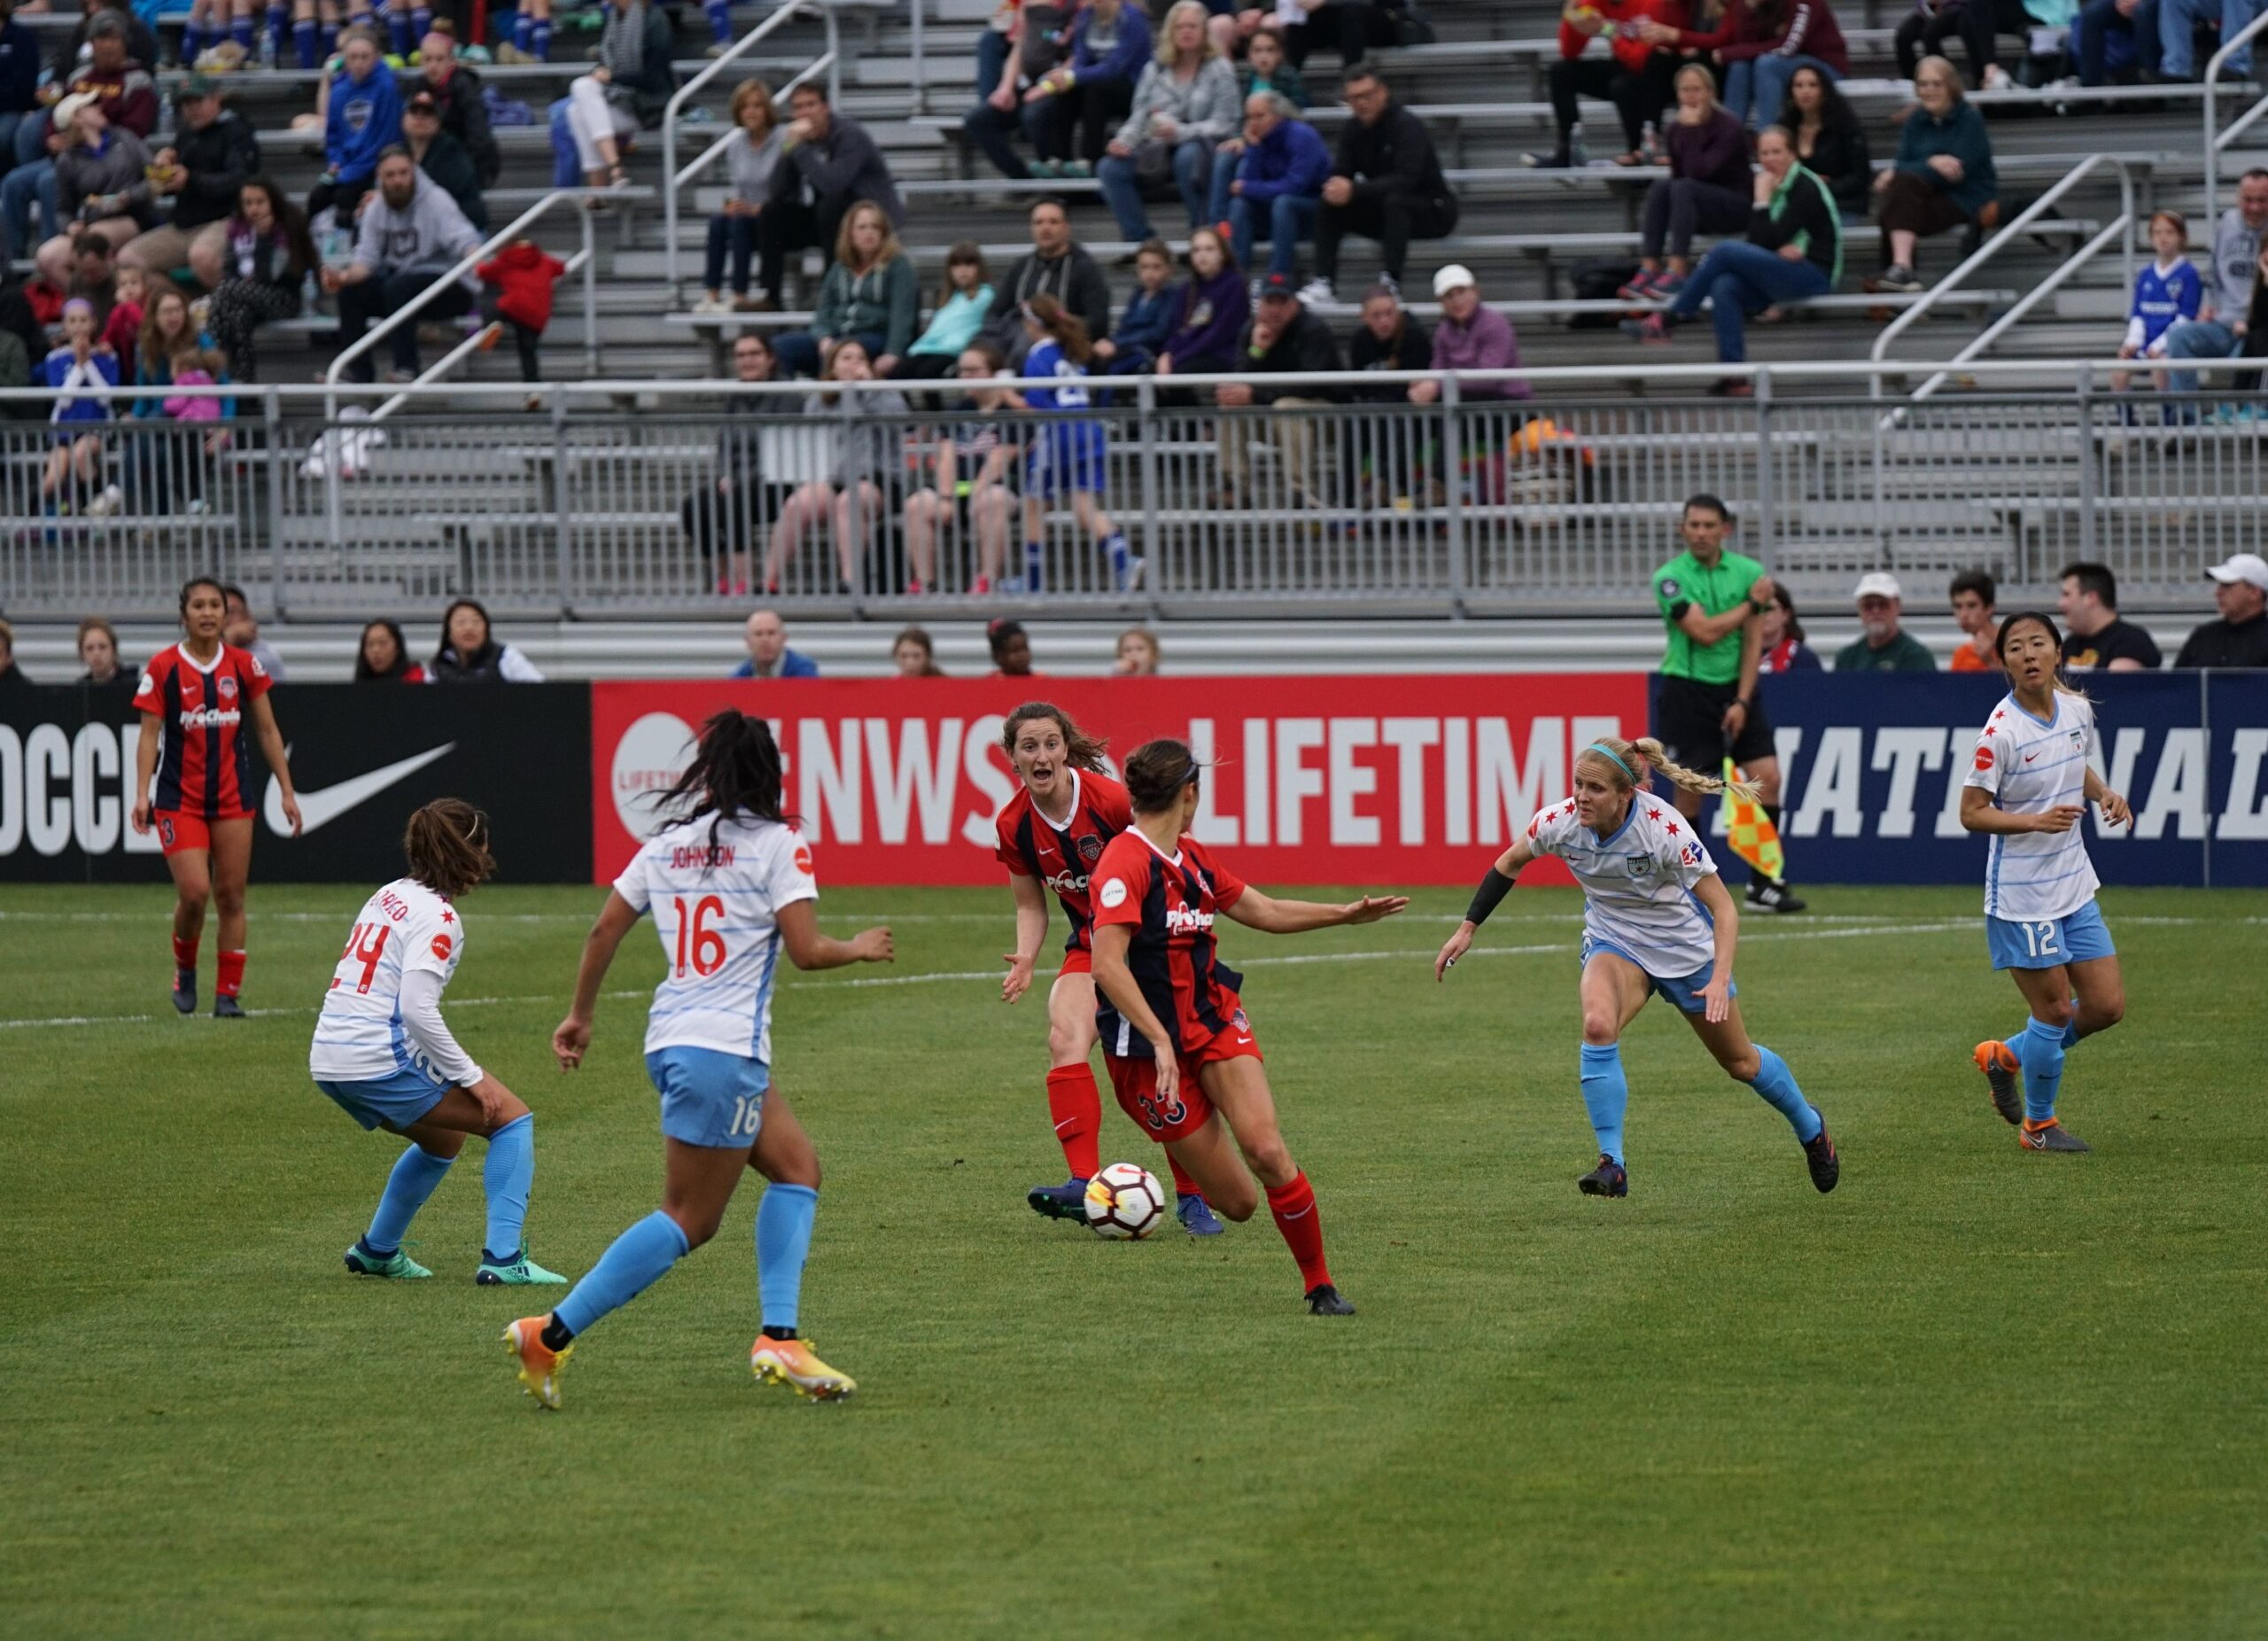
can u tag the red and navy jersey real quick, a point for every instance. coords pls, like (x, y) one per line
(1063, 857)
(1169, 901)
(205, 755)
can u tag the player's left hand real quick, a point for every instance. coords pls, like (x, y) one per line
(1455, 946)
(1717, 997)
(571, 1041)
(2114, 811)
(292, 812)
(873, 945)
(1370, 908)
(1017, 981)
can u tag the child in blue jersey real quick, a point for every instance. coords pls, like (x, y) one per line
(2168, 293)
(80, 363)
(1656, 920)
(2027, 789)
(726, 899)
(1068, 456)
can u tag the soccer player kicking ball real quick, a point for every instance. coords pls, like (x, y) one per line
(383, 1052)
(1181, 1052)
(1656, 919)
(726, 899)
(2028, 789)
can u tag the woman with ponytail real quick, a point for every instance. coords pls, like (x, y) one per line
(1181, 1052)
(2027, 789)
(1051, 835)
(725, 897)
(1068, 457)
(1656, 919)
(383, 1054)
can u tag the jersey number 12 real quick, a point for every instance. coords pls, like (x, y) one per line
(697, 943)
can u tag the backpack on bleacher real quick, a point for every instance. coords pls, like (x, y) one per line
(1597, 282)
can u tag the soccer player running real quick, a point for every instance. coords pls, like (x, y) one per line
(1656, 919)
(1052, 834)
(383, 1051)
(1711, 601)
(2027, 789)
(192, 783)
(726, 899)
(1181, 1054)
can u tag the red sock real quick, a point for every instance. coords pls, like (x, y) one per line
(1182, 1185)
(1301, 1225)
(232, 973)
(185, 951)
(1075, 1104)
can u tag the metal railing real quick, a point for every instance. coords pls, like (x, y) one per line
(2025, 221)
(1467, 504)
(2217, 139)
(673, 181)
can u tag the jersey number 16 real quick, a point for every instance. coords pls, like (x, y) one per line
(697, 943)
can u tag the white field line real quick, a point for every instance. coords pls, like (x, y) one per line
(970, 976)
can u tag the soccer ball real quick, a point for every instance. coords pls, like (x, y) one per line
(1125, 1202)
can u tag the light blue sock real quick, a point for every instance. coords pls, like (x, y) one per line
(783, 1238)
(416, 1174)
(510, 1171)
(636, 1260)
(2039, 1050)
(1606, 1092)
(1777, 1085)
(720, 19)
(2072, 1031)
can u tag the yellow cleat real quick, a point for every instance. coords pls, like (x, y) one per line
(539, 1364)
(791, 1362)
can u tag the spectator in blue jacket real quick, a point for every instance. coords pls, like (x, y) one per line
(1278, 187)
(1133, 346)
(19, 80)
(768, 655)
(364, 119)
(1094, 90)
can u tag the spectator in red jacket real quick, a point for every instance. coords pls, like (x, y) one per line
(523, 274)
(1634, 75)
(1761, 44)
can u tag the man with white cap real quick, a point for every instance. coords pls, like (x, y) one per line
(1882, 645)
(1471, 337)
(2239, 638)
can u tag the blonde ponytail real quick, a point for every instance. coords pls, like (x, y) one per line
(1689, 780)
(1632, 763)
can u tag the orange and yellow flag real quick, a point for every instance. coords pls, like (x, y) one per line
(1749, 831)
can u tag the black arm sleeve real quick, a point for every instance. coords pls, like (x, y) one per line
(1492, 889)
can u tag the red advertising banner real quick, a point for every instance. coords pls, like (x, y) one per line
(1382, 781)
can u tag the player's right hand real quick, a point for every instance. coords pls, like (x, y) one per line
(2063, 818)
(873, 945)
(1168, 1079)
(1455, 946)
(571, 1041)
(141, 817)
(1017, 981)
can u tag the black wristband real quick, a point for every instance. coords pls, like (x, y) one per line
(1492, 889)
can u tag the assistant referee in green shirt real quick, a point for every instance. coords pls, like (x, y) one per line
(1710, 601)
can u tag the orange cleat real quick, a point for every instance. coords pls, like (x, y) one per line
(791, 1362)
(1998, 1063)
(540, 1364)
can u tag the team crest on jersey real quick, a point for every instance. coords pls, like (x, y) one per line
(1091, 849)
(2078, 740)
(1638, 866)
(228, 688)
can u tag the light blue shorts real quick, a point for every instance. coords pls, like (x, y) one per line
(1684, 995)
(393, 1102)
(2044, 942)
(709, 1098)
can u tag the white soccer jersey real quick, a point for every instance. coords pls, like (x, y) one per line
(1637, 883)
(2030, 765)
(714, 912)
(360, 1036)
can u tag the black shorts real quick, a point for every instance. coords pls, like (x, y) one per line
(1689, 721)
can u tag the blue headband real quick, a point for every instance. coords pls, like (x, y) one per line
(1601, 746)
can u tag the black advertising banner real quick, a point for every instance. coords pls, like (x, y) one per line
(363, 756)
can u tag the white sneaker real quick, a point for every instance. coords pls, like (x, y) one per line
(1997, 78)
(109, 501)
(712, 305)
(1135, 569)
(1316, 290)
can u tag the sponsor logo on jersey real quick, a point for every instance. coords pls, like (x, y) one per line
(803, 858)
(211, 718)
(1065, 883)
(1181, 920)
(442, 946)
(1984, 758)
(1114, 893)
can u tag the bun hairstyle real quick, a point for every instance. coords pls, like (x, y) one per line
(1644, 759)
(1084, 752)
(2054, 636)
(446, 845)
(736, 770)
(1156, 772)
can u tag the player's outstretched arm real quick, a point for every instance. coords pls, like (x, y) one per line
(573, 1037)
(1495, 885)
(1979, 813)
(1717, 996)
(271, 748)
(1031, 929)
(2114, 811)
(145, 769)
(807, 948)
(1115, 981)
(1273, 916)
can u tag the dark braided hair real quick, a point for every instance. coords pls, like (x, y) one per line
(736, 770)
(447, 844)
(1156, 772)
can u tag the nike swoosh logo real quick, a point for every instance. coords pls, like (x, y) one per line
(320, 808)
(2028, 756)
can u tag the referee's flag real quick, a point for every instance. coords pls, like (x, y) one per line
(1749, 831)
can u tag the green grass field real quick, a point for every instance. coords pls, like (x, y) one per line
(1973, 1393)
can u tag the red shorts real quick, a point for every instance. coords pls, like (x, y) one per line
(1136, 1083)
(178, 830)
(1078, 961)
